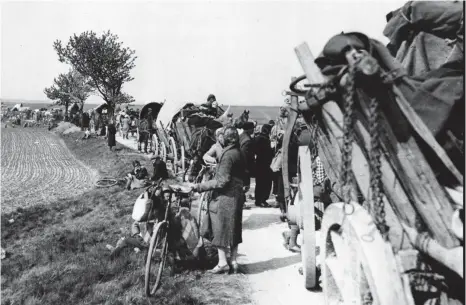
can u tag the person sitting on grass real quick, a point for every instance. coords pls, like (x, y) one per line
(87, 134)
(160, 169)
(138, 177)
(141, 238)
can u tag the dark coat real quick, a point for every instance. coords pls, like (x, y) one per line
(226, 206)
(111, 135)
(264, 153)
(247, 149)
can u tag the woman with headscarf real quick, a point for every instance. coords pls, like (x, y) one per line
(226, 206)
(214, 153)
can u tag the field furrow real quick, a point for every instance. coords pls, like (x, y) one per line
(37, 168)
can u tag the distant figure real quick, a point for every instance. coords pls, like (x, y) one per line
(134, 125)
(210, 108)
(150, 120)
(143, 135)
(246, 129)
(125, 126)
(111, 132)
(263, 158)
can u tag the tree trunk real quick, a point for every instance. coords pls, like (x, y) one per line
(66, 112)
(81, 117)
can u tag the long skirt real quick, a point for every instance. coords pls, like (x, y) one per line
(227, 220)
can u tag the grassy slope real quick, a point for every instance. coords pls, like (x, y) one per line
(57, 255)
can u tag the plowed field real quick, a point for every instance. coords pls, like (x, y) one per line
(38, 168)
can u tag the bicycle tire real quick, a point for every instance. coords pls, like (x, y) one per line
(160, 234)
(109, 182)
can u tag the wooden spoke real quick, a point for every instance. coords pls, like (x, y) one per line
(358, 266)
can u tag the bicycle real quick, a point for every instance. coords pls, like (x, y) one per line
(160, 239)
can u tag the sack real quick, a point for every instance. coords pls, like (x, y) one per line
(205, 229)
(276, 165)
(142, 207)
(189, 230)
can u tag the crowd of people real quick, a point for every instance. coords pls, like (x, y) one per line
(241, 153)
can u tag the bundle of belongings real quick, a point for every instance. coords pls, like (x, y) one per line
(150, 208)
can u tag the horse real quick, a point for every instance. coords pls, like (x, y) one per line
(243, 118)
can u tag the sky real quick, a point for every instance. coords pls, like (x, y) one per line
(243, 52)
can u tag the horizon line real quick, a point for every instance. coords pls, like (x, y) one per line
(19, 100)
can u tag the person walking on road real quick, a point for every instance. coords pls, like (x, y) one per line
(111, 132)
(143, 135)
(125, 126)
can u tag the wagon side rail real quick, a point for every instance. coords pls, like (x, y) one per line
(410, 186)
(412, 195)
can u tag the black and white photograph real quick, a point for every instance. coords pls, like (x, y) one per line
(232, 152)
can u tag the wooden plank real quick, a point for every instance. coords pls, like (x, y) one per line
(307, 213)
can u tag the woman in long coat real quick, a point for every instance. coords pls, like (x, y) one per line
(226, 206)
(111, 132)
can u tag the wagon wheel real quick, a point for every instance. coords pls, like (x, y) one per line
(175, 154)
(352, 252)
(155, 144)
(156, 258)
(163, 151)
(305, 197)
(183, 159)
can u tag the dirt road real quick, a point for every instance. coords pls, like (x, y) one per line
(272, 270)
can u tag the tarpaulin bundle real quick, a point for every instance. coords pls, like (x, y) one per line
(426, 34)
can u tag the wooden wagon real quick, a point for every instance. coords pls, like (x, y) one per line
(175, 136)
(389, 241)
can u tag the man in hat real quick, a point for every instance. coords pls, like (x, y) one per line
(245, 130)
(263, 158)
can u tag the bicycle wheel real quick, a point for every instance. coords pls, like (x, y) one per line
(156, 258)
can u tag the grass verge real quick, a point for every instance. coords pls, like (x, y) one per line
(56, 252)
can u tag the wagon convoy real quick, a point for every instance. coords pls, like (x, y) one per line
(390, 138)
(388, 125)
(182, 139)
